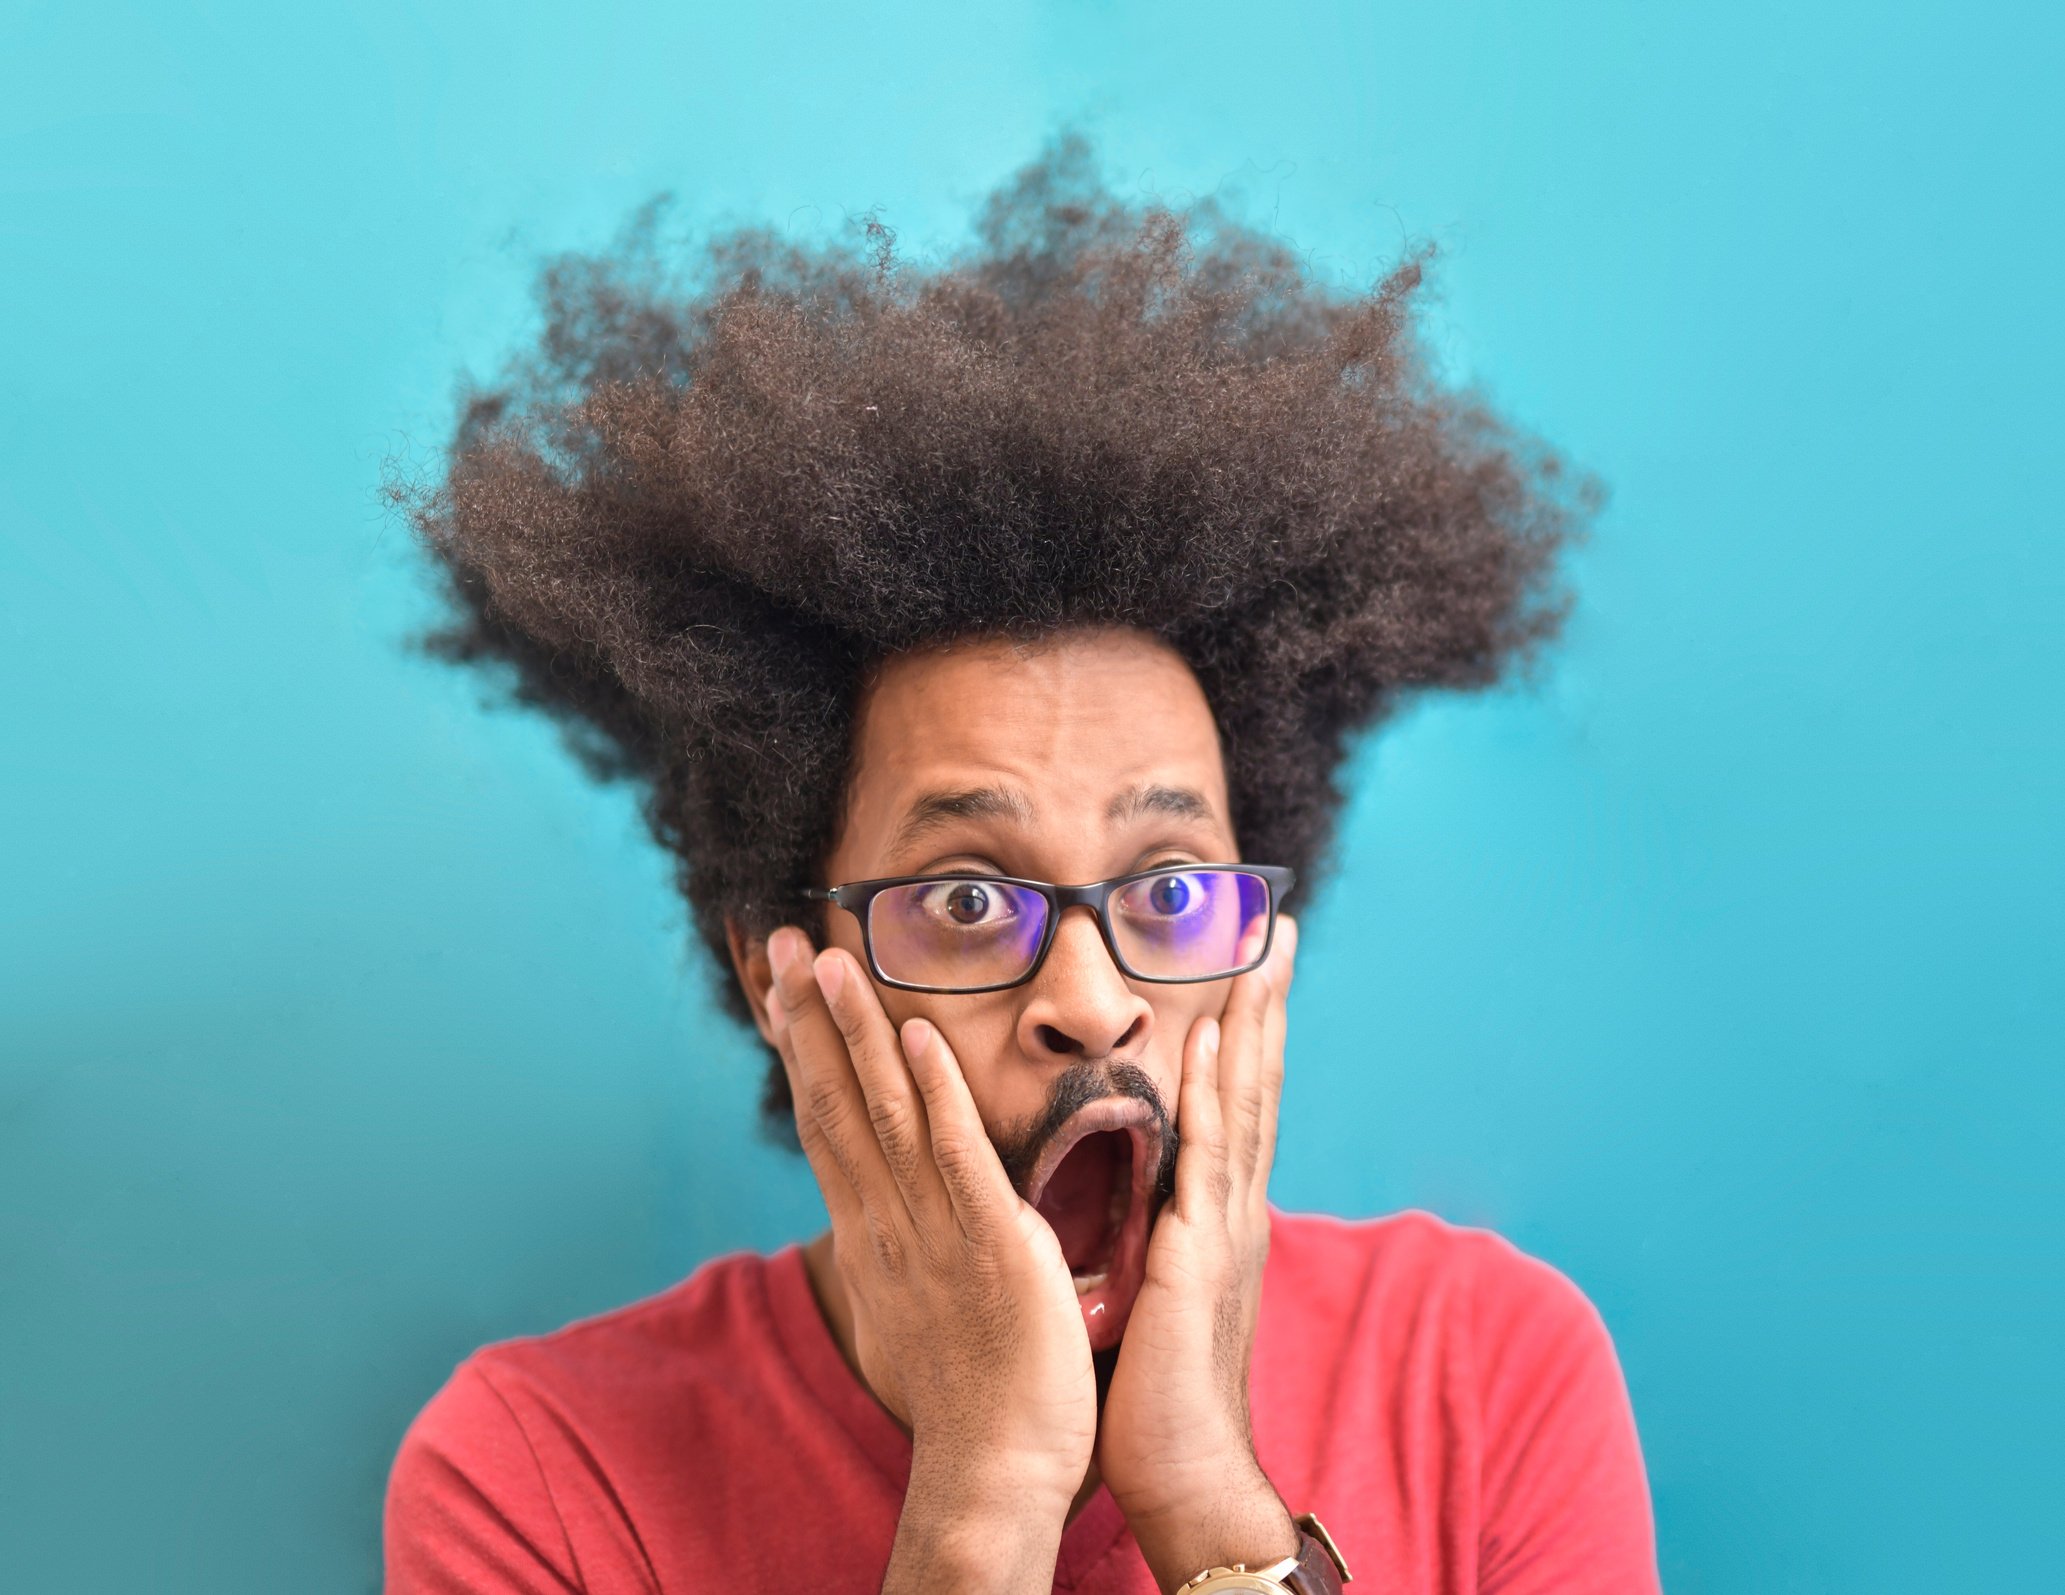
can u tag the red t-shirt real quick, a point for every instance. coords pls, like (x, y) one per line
(1450, 1407)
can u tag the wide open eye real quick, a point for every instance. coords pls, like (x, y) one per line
(1170, 895)
(957, 933)
(967, 904)
(1187, 924)
(1163, 902)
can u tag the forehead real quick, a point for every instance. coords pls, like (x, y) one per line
(1069, 724)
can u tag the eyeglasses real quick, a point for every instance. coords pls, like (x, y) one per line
(968, 933)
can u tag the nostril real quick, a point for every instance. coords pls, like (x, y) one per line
(1062, 1044)
(1055, 1041)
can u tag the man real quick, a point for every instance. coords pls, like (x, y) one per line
(987, 642)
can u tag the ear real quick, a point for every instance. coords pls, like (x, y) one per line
(755, 973)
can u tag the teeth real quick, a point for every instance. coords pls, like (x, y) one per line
(1085, 1283)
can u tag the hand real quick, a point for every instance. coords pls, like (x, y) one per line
(1175, 1449)
(965, 1318)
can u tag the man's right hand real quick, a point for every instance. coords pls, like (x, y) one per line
(965, 1318)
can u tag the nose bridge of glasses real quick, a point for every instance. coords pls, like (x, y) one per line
(1087, 910)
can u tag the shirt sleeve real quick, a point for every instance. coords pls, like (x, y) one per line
(1565, 1503)
(468, 1511)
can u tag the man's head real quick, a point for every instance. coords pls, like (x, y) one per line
(1089, 755)
(1121, 519)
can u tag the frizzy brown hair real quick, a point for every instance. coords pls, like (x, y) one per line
(722, 486)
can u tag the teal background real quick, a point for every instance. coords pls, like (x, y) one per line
(343, 1026)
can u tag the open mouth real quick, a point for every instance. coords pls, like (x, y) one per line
(1093, 1186)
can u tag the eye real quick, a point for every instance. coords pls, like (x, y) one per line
(1169, 895)
(966, 905)
(1172, 894)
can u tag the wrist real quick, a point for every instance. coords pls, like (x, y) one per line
(1244, 1521)
(977, 1519)
(987, 1475)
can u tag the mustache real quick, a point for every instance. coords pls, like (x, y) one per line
(1081, 1083)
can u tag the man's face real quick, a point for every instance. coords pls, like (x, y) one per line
(1082, 758)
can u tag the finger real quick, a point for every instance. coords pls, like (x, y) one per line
(826, 1086)
(1274, 1032)
(1244, 1067)
(842, 1201)
(1251, 940)
(970, 1172)
(1203, 1183)
(895, 1108)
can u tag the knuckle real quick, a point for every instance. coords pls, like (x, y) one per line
(961, 1170)
(892, 1118)
(956, 1159)
(827, 1105)
(904, 1161)
(812, 1138)
(886, 1246)
(934, 1252)
(853, 1257)
(896, 1129)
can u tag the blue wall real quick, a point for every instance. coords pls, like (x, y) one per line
(343, 1027)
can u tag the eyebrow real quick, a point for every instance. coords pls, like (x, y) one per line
(1178, 802)
(936, 810)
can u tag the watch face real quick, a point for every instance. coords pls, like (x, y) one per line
(1243, 1583)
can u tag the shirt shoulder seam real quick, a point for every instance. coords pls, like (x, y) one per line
(573, 1560)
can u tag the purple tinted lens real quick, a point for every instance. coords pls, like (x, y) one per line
(1191, 924)
(956, 933)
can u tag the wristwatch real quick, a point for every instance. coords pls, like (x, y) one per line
(1312, 1571)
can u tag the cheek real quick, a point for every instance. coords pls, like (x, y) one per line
(1176, 1011)
(981, 1036)
(843, 930)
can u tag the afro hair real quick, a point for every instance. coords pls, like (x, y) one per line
(728, 480)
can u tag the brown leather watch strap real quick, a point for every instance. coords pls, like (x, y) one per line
(1320, 1569)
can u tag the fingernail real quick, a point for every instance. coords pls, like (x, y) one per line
(1209, 1041)
(831, 974)
(781, 951)
(917, 1036)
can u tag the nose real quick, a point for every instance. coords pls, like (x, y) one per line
(1081, 1005)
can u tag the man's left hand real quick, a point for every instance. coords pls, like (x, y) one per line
(1174, 1444)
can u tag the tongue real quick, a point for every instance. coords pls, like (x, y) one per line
(1077, 1200)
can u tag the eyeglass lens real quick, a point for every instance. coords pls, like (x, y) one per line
(960, 933)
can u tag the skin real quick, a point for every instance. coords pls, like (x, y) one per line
(947, 1292)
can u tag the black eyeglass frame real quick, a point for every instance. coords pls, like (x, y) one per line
(856, 897)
